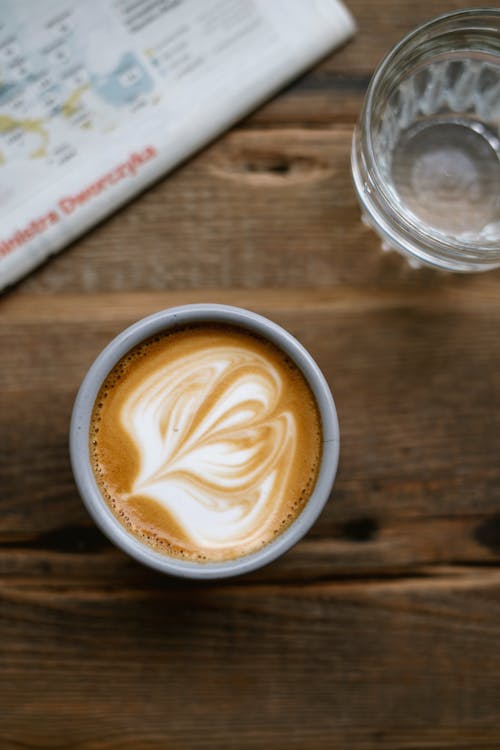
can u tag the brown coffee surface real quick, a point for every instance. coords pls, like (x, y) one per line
(205, 442)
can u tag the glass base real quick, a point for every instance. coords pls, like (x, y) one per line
(386, 247)
(447, 174)
(423, 250)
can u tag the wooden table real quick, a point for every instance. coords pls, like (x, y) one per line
(382, 628)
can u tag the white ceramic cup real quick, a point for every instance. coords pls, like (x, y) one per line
(80, 424)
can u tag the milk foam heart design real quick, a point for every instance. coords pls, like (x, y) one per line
(215, 449)
(206, 442)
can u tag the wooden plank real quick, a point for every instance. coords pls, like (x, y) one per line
(325, 96)
(357, 549)
(464, 294)
(257, 209)
(333, 92)
(266, 666)
(267, 208)
(383, 24)
(419, 474)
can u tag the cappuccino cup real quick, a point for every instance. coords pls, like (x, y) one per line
(204, 441)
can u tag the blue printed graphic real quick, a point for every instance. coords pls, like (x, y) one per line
(125, 83)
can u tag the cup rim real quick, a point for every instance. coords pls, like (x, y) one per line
(171, 318)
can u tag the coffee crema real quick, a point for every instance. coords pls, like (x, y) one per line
(205, 442)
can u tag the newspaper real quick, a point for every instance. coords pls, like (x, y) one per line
(100, 98)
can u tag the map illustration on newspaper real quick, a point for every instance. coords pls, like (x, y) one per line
(100, 98)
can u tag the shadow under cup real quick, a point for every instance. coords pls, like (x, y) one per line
(162, 322)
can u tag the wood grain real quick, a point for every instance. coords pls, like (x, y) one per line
(261, 208)
(419, 462)
(381, 628)
(245, 666)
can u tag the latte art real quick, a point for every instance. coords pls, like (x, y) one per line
(206, 442)
(212, 442)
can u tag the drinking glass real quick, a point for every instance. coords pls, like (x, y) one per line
(426, 151)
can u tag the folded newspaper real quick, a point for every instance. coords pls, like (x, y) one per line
(100, 98)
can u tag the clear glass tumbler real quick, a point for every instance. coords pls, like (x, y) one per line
(426, 151)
